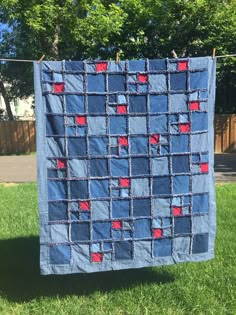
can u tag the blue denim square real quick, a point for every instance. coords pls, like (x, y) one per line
(161, 185)
(99, 188)
(132, 87)
(98, 167)
(71, 131)
(120, 209)
(116, 67)
(107, 246)
(96, 104)
(74, 65)
(138, 125)
(180, 143)
(47, 76)
(178, 103)
(137, 65)
(117, 234)
(101, 230)
(77, 167)
(51, 173)
(121, 99)
(160, 165)
(182, 225)
(157, 83)
(200, 203)
(55, 147)
(123, 250)
(180, 164)
(97, 125)
(157, 64)
(181, 184)
(178, 81)
(57, 77)
(59, 255)
(158, 103)
(54, 103)
(55, 125)
(142, 228)
(57, 211)
(141, 207)
(142, 88)
(158, 123)
(199, 121)
(116, 82)
(79, 189)
(140, 166)
(139, 145)
(119, 167)
(118, 125)
(162, 247)
(198, 80)
(75, 104)
(96, 83)
(74, 83)
(98, 146)
(80, 231)
(200, 243)
(137, 104)
(57, 190)
(77, 146)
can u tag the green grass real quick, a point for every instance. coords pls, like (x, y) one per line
(188, 288)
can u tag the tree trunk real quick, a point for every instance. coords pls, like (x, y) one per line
(55, 48)
(6, 100)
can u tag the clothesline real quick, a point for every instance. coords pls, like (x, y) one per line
(27, 60)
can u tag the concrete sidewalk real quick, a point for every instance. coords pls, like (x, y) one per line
(19, 169)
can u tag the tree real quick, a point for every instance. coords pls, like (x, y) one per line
(73, 29)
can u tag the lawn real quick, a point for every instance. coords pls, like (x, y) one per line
(188, 288)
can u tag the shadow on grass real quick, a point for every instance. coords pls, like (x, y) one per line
(20, 280)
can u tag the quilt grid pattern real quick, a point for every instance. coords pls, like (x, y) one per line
(126, 163)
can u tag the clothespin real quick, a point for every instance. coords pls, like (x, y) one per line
(174, 54)
(214, 53)
(41, 59)
(117, 57)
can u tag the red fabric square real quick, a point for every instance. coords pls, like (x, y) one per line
(122, 109)
(194, 105)
(81, 120)
(123, 141)
(143, 78)
(61, 163)
(154, 139)
(101, 66)
(84, 205)
(182, 65)
(125, 182)
(117, 225)
(184, 127)
(204, 168)
(58, 87)
(97, 257)
(177, 211)
(157, 233)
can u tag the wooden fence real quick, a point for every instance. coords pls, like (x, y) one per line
(18, 137)
(225, 133)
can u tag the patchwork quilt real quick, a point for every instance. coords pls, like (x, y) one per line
(125, 163)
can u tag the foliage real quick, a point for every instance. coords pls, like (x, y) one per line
(73, 29)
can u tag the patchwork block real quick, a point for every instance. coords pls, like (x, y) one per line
(125, 163)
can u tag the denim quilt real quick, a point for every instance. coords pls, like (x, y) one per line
(125, 163)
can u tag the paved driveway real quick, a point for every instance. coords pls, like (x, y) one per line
(17, 169)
